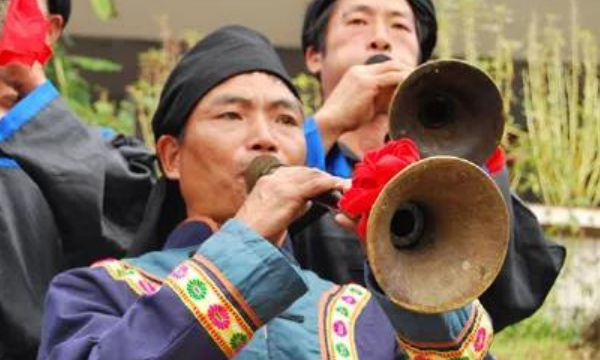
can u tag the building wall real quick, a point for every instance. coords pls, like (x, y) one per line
(137, 27)
(279, 19)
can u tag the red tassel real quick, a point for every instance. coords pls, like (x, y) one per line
(497, 162)
(372, 174)
(25, 34)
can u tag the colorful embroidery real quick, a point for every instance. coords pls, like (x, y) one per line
(137, 282)
(212, 309)
(474, 347)
(340, 319)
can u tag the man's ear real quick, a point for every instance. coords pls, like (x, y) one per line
(168, 149)
(313, 60)
(56, 26)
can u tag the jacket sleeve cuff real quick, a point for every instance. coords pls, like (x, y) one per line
(27, 109)
(236, 282)
(464, 333)
(315, 153)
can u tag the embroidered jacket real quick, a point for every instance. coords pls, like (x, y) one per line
(236, 295)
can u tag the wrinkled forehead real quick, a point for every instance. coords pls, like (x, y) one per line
(252, 88)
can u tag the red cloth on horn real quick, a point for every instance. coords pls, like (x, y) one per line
(24, 37)
(372, 174)
(496, 162)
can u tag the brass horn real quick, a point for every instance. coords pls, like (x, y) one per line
(449, 107)
(437, 235)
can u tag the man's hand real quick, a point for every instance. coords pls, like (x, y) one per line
(363, 92)
(281, 197)
(22, 78)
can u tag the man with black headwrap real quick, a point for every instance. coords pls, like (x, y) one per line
(338, 38)
(70, 194)
(222, 284)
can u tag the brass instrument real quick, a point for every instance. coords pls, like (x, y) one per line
(438, 233)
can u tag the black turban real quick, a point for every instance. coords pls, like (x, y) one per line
(60, 7)
(424, 13)
(230, 51)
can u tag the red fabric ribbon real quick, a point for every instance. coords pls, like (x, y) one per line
(372, 174)
(497, 162)
(25, 34)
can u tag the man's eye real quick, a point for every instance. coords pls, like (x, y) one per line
(399, 26)
(287, 120)
(230, 115)
(357, 21)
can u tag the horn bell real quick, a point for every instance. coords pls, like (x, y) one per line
(462, 239)
(449, 107)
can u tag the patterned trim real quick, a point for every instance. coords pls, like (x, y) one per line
(474, 346)
(341, 314)
(233, 291)
(136, 281)
(211, 308)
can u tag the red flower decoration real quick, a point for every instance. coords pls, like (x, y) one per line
(372, 174)
(24, 37)
(496, 162)
(219, 316)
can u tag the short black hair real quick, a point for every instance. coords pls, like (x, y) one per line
(60, 7)
(318, 13)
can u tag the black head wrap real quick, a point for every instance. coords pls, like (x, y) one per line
(424, 14)
(228, 52)
(60, 7)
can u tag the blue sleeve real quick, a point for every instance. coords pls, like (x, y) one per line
(209, 306)
(335, 162)
(315, 153)
(26, 109)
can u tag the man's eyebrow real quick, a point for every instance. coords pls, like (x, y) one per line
(361, 8)
(286, 104)
(228, 99)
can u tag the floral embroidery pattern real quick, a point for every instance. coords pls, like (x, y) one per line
(119, 271)
(341, 314)
(209, 305)
(473, 347)
(196, 289)
(219, 316)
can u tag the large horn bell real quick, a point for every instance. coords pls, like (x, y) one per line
(437, 235)
(449, 107)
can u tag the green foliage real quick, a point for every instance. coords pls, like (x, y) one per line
(310, 92)
(91, 105)
(562, 107)
(104, 9)
(155, 67)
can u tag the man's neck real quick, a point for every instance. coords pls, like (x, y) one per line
(368, 137)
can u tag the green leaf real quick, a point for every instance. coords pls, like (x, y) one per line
(95, 64)
(104, 9)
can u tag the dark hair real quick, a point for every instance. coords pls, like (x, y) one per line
(60, 7)
(314, 33)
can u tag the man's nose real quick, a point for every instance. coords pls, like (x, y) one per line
(381, 40)
(262, 137)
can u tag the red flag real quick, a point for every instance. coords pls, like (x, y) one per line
(24, 37)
